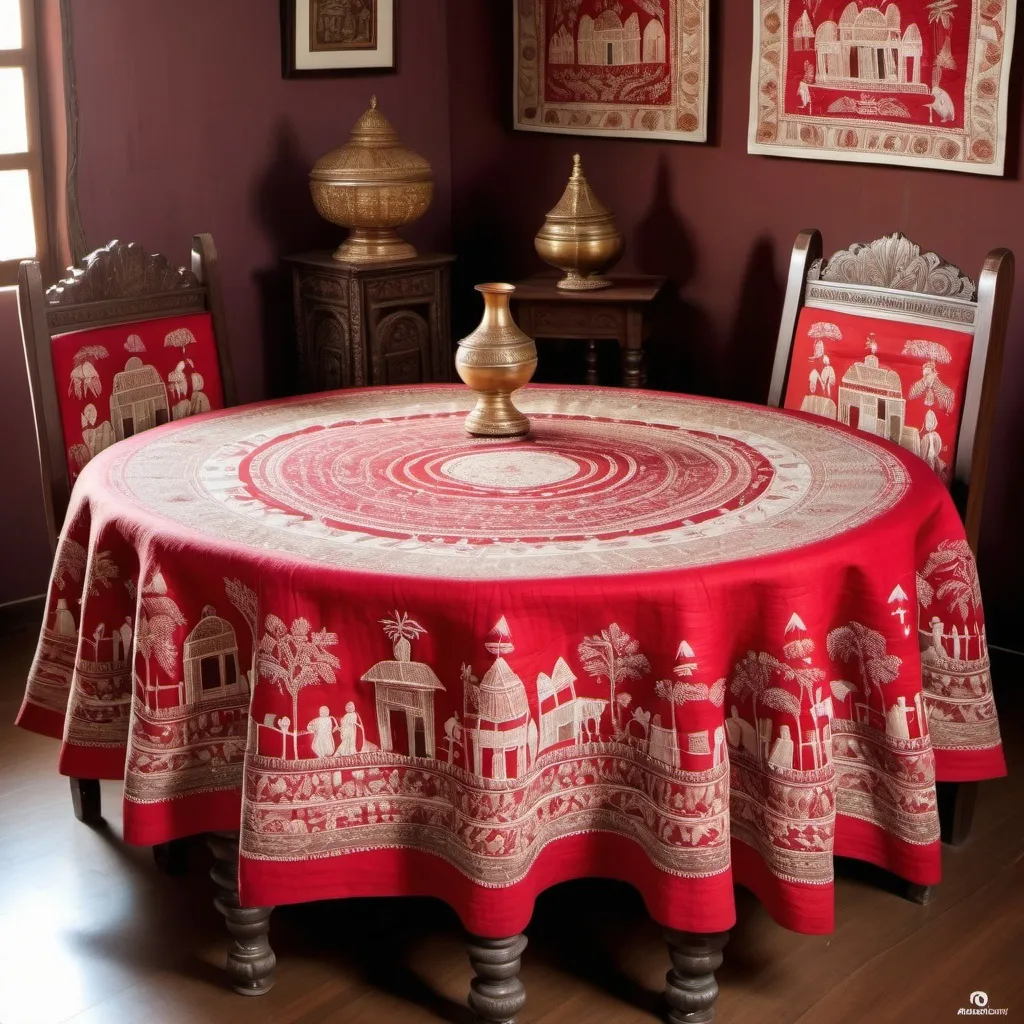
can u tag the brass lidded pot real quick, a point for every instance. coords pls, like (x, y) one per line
(579, 236)
(495, 360)
(372, 185)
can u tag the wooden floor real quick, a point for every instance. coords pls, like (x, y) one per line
(90, 932)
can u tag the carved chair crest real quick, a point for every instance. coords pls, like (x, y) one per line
(119, 271)
(897, 263)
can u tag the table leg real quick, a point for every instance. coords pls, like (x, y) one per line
(592, 362)
(633, 350)
(85, 800)
(496, 994)
(251, 961)
(956, 810)
(691, 989)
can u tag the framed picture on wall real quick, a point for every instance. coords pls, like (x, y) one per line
(327, 37)
(920, 83)
(625, 69)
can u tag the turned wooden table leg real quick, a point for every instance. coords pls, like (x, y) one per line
(251, 961)
(496, 994)
(592, 377)
(85, 799)
(691, 989)
(633, 375)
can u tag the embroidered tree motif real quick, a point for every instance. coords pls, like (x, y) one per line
(751, 676)
(180, 338)
(867, 647)
(102, 572)
(401, 630)
(932, 388)
(616, 656)
(677, 694)
(154, 636)
(247, 604)
(960, 589)
(71, 559)
(85, 380)
(842, 690)
(294, 658)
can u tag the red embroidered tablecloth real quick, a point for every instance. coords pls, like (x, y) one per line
(675, 641)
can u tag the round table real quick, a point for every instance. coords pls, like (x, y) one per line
(675, 641)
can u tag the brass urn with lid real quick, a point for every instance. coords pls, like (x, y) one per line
(579, 236)
(372, 185)
(496, 360)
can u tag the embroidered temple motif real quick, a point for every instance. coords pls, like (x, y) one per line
(634, 68)
(917, 82)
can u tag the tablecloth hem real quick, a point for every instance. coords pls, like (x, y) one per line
(687, 904)
(862, 840)
(44, 721)
(152, 824)
(970, 765)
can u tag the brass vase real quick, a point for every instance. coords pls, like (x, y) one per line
(496, 360)
(372, 185)
(579, 236)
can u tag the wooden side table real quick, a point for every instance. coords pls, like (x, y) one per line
(625, 311)
(365, 324)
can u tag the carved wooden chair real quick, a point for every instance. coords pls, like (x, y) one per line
(123, 332)
(917, 328)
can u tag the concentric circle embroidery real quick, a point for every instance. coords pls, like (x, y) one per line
(388, 481)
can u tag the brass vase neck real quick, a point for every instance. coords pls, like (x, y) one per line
(497, 313)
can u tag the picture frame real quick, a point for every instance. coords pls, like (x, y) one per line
(338, 37)
(634, 69)
(912, 83)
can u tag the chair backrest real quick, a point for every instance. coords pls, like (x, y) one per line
(125, 342)
(901, 344)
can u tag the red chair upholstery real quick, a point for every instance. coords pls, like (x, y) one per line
(124, 343)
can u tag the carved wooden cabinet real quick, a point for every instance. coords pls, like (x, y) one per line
(382, 323)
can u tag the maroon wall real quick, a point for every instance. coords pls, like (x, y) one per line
(722, 223)
(186, 125)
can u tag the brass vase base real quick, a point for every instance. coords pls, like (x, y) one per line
(495, 415)
(574, 282)
(374, 245)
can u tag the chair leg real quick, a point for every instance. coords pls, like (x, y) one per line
(956, 810)
(690, 987)
(496, 994)
(251, 961)
(85, 799)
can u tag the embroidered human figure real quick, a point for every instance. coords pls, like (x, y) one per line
(896, 719)
(348, 727)
(322, 730)
(803, 89)
(782, 750)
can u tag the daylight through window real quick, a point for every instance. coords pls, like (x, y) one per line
(22, 227)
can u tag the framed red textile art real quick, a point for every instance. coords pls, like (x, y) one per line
(634, 68)
(915, 82)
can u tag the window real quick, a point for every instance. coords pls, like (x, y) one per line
(22, 220)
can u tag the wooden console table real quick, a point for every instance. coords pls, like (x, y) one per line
(365, 324)
(626, 311)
